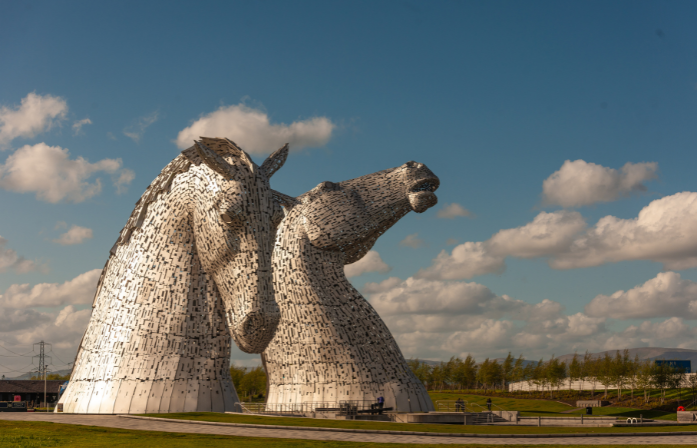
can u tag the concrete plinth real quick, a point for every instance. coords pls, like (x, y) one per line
(591, 403)
(687, 416)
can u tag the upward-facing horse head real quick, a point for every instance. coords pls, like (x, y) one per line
(191, 268)
(331, 345)
(349, 216)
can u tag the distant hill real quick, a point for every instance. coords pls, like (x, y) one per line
(27, 376)
(428, 361)
(644, 353)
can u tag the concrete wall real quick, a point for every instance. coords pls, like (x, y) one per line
(573, 385)
(687, 416)
(511, 416)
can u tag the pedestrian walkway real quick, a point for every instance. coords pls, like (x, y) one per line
(147, 424)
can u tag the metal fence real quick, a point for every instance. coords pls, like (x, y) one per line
(287, 408)
(462, 406)
(344, 407)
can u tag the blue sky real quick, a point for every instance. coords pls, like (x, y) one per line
(493, 96)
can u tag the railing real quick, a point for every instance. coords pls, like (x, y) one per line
(497, 406)
(462, 406)
(346, 407)
(355, 407)
(287, 408)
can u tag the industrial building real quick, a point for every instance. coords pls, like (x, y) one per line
(31, 391)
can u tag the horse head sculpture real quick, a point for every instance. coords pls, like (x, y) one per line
(349, 216)
(331, 345)
(235, 219)
(191, 268)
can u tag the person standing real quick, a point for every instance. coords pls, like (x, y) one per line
(488, 403)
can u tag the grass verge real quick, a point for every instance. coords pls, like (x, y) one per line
(41, 434)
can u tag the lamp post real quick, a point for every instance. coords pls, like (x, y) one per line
(45, 403)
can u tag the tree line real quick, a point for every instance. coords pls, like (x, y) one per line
(51, 377)
(250, 383)
(621, 372)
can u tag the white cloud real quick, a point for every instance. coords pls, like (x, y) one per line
(435, 319)
(137, 129)
(36, 114)
(581, 183)
(63, 329)
(10, 260)
(420, 296)
(53, 176)
(665, 231)
(77, 126)
(18, 319)
(123, 180)
(466, 260)
(666, 295)
(412, 241)
(20, 329)
(548, 233)
(371, 262)
(253, 131)
(79, 290)
(451, 211)
(21, 325)
(385, 285)
(75, 235)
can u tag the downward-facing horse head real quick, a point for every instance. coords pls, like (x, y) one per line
(191, 268)
(331, 345)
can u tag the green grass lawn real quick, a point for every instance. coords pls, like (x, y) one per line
(550, 408)
(40, 434)
(388, 426)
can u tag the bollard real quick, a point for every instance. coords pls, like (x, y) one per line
(641, 418)
(539, 421)
(581, 418)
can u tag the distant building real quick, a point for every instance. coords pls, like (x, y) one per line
(29, 390)
(683, 364)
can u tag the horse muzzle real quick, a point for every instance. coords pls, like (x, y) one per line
(255, 330)
(421, 194)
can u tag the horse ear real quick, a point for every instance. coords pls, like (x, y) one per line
(275, 161)
(213, 160)
(283, 199)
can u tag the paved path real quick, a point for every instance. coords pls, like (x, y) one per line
(570, 411)
(113, 421)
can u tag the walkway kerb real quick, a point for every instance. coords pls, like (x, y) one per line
(420, 433)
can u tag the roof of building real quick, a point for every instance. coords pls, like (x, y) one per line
(29, 386)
